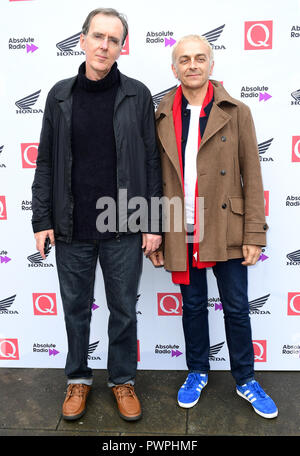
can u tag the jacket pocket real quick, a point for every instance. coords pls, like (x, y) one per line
(235, 223)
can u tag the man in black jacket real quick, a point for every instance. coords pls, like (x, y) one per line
(97, 143)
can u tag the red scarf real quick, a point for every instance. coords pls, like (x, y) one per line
(183, 277)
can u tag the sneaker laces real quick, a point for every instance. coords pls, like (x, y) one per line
(191, 380)
(256, 388)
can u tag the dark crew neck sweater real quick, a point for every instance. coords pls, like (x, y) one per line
(94, 170)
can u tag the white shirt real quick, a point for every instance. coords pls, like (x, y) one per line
(190, 168)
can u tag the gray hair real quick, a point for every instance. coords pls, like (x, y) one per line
(203, 39)
(106, 12)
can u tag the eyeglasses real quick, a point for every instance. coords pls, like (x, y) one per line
(112, 41)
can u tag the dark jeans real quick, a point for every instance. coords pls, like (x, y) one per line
(121, 263)
(232, 284)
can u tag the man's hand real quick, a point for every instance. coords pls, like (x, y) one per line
(157, 258)
(40, 238)
(150, 243)
(251, 254)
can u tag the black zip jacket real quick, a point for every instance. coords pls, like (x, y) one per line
(138, 160)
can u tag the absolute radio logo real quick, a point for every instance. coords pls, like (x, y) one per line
(3, 257)
(263, 257)
(263, 147)
(256, 91)
(45, 348)
(6, 304)
(44, 304)
(26, 205)
(23, 43)
(295, 31)
(215, 303)
(26, 104)
(258, 35)
(293, 307)
(294, 350)
(9, 349)
(166, 37)
(163, 36)
(169, 304)
(29, 152)
(3, 211)
(260, 350)
(173, 350)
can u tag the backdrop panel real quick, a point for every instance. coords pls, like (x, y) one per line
(256, 45)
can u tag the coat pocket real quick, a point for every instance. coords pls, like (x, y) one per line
(235, 225)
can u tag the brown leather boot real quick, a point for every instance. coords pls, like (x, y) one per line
(74, 404)
(128, 403)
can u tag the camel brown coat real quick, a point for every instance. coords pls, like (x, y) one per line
(229, 179)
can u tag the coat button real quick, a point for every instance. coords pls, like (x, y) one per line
(224, 205)
(185, 113)
(223, 172)
(223, 138)
(265, 227)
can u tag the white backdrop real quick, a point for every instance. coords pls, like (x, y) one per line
(257, 57)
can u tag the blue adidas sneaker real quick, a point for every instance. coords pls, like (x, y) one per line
(260, 401)
(189, 393)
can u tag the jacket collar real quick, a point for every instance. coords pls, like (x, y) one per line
(64, 88)
(220, 96)
(63, 94)
(165, 125)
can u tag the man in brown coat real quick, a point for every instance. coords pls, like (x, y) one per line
(210, 164)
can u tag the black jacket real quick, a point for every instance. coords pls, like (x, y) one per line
(138, 160)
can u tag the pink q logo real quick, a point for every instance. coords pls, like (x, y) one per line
(9, 349)
(29, 154)
(293, 304)
(125, 48)
(296, 149)
(44, 304)
(267, 202)
(3, 213)
(260, 350)
(258, 35)
(169, 303)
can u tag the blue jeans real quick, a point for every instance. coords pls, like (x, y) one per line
(121, 263)
(232, 284)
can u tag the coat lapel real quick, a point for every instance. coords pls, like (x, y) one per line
(166, 131)
(216, 120)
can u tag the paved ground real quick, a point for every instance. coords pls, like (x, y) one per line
(31, 399)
